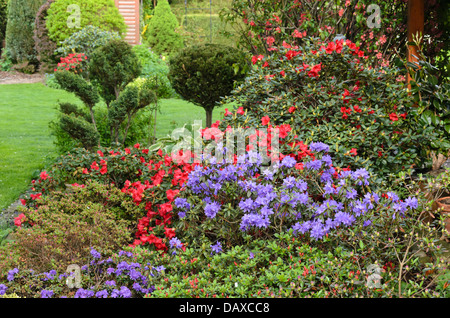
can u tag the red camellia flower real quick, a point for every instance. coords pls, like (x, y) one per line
(265, 120)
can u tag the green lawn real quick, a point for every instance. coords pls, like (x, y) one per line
(177, 112)
(25, 142)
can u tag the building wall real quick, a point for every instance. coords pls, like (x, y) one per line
(130, 11)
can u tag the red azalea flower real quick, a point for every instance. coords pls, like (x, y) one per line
(330, 48)
(291, 109)
(393, 117)
(265, 120)
(240, 111)
(44, 175)
(19, 220)
(227, 113)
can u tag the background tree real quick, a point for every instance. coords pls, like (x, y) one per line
(100, 13)
(161, 32)
(44, 46)
(3, 20)
(205, 73)
(19, 30)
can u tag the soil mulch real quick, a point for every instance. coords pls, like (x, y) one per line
(14, 77)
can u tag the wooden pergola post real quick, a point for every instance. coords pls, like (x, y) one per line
(416, 18)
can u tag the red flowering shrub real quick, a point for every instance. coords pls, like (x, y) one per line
(150, 180)
(328, 92)
(74, 62)
(265, 25)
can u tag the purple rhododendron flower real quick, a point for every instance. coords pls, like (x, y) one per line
(314, 164)
(211, 209)
(3, 289)
(47, 293)
(216, 248)
(12, 273)
(319, 147)
(288, 162)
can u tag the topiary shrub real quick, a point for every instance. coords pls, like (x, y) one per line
(86, 41)
(112, 67)
(19, 31)
(203, 74)
(100, 13)
(81, 130)
(161, 32)
(45, 48)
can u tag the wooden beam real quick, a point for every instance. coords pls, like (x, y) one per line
(416, 18)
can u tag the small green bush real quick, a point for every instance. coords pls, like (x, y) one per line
(161, 33)
(100, 13)
(64, 226)
(86, 41)
(204, 74)
(155, 70)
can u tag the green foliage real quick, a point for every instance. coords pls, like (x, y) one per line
(155, 70)
(45, 48)
(19, 30)
(206, 73)
(431, 94)
(98, 13)
(112, 67)
(364, 114)
(86, 41)
(161, 33)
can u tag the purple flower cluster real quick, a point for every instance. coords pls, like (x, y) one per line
(282, 192)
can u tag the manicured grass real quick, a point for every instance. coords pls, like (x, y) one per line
(174, 113)
(26, 145)
(25, 140)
